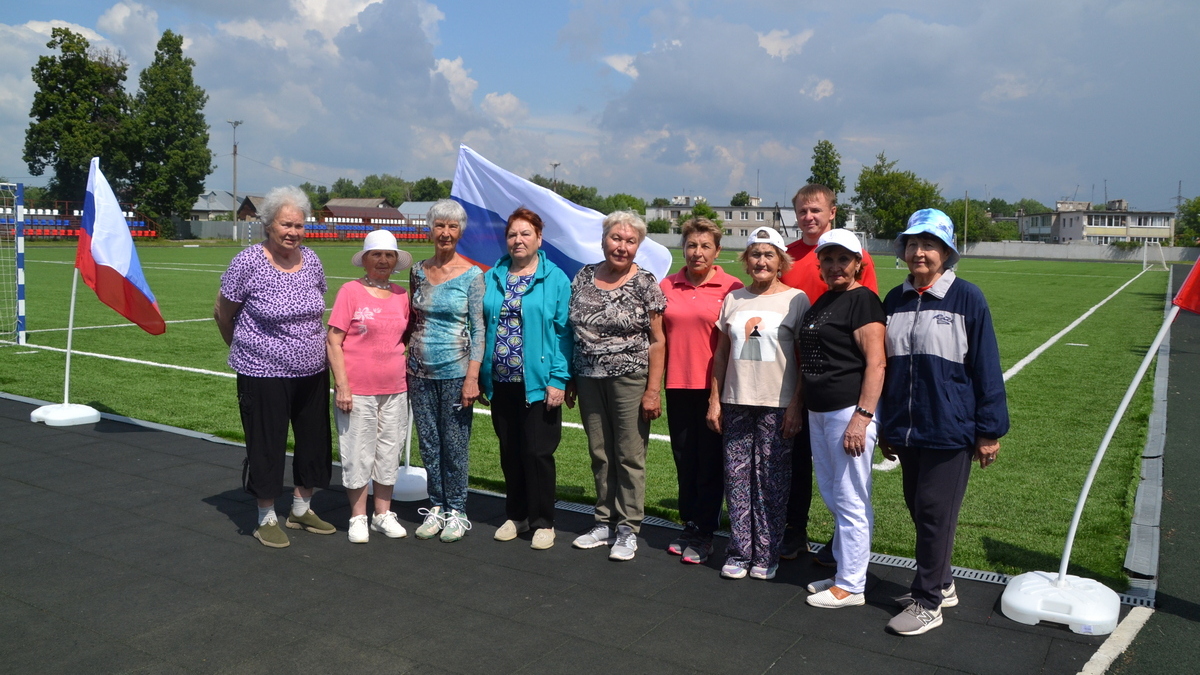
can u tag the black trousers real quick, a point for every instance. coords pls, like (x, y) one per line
(800, 495)
(528, 436)
(935, 482)
(699, 459)
(268, 405)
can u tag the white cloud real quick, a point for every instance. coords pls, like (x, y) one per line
(128, 18)
(781, 44)
(506, 109)
(44, 28)
(1008, 87)
(462, 86)
(622, 63)
(820, 90)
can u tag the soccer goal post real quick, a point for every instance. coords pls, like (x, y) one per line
(12, 263)
(1152, 257)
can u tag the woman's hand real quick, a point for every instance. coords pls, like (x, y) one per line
(854, 441)
(714, 415)
(554, 397)
(886, 448)
(569, 394)
(343, 398)
(793, 418)
(986, 450)
(470, 391)
(651, 405)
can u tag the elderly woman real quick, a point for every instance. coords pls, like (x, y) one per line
(616, 318)
(943, 404)
(526, 367)
(842, 362)
(694, 295)
(366, 355)
(444, 355)
(269, 312)
(754, 401)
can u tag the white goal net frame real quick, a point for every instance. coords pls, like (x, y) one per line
(12, 263)
(1152, 257)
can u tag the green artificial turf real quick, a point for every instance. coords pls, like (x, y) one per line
(1016, 512)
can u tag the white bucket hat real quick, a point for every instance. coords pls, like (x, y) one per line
(382, 240)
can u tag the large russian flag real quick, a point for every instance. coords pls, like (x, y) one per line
(107, 259)
(571, 233)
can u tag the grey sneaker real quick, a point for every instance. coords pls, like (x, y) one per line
(432, 524)
(689, 534)
(697, 551)
(949, 597)
(764, 573)
(915, 620)
(626, 545)
(456, 526)
(599, 535)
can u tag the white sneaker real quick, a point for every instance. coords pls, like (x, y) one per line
(387, 524)
(432, 524)
(456, 526)
(626, 545)
(359, 534)
(599, 535)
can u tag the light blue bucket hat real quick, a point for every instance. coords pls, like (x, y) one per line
(929, 221)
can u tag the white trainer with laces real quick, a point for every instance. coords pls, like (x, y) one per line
(359, 534)
(388, 525)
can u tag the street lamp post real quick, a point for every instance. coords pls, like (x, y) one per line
(235, 124)
(554, 180)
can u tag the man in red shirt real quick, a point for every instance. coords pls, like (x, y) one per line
(816, 209)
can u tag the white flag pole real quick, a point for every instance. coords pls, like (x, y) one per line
(70, 334)
(1085, 605)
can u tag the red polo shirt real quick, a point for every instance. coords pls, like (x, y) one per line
(805, 275)
(690, 326)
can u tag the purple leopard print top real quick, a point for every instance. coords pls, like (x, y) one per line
(279, 331)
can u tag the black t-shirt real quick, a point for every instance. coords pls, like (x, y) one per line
(830, 361)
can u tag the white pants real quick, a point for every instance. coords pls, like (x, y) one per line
(845, 484)
(369, 438)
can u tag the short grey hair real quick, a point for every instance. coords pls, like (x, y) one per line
(633, 220)
(278, 198)
(446, 209)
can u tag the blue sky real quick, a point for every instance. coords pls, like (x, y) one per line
(1010, 99)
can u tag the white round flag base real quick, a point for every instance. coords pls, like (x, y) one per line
(411, 484)
(65, 415)
(1086, 606)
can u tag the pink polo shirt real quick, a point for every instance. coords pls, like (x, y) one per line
(373, 351)
(690, 325)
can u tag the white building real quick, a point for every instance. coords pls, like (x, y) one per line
(1078, 221)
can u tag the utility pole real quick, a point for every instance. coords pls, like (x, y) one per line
(554, 181)
(235, 124)
(966, 205)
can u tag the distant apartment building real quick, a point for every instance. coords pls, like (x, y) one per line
(738, 220)
(1078, 222)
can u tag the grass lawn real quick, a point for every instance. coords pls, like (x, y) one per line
(1015, 515)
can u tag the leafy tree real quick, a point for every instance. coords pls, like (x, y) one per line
(659, 226)
(343, 188)
(172, 134)
(1187, 224)
(428, 189)
(740, 199)
(393, 189)
(318, 195)
(80, 111)
(660, 201)
(979, 226)
(622, 202)
(889, 196)
(700, 210)
(827, 167)
(1030, 206)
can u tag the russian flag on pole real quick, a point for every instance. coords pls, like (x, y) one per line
(572, 233)
(107, 259)
(1189, 294)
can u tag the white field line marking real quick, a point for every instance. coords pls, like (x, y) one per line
(1118, 642)
(1055, 338)
(202, 371)
(115, 325)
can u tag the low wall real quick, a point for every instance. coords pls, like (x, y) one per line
(218, 229)
(1035, 250)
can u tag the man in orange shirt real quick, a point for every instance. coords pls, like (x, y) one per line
(816, 209)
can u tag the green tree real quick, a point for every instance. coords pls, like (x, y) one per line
(659, 226)
(1030, 206)
(740, 199)
(343, 188)
(700, 210)
(318, 195)
(80, 111)
(660, 201)
(1187, 223)
(173, 158)
(428, 189)
(623, 202)
(979, 226)
(827, 167)
(393, 189)
(889, 196)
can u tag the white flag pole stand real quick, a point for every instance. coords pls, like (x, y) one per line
(412, 482)
(67, 414)
(1085, 605)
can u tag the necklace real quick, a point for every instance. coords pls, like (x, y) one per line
(381, 285)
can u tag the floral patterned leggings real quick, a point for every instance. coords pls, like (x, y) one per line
(758, 477)
(444, 432)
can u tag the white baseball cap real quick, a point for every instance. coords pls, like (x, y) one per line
(766, 235)
(382, 240)
(840, 237)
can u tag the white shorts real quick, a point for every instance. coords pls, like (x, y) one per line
(369, 438)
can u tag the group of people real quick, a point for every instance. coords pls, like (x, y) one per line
(805, 370)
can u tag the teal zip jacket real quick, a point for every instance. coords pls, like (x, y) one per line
(546, 335)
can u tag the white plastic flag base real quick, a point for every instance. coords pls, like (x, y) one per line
(411, 484)
(65, 415)
(1084, 605)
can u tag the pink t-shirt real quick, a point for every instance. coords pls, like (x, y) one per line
(373, 351)
(690, 326)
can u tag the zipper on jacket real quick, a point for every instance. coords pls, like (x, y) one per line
(911, 350)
